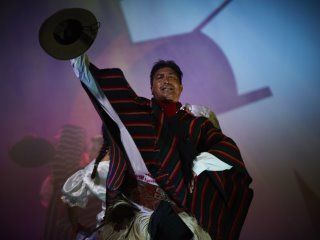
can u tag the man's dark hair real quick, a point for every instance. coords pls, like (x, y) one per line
(165, 63)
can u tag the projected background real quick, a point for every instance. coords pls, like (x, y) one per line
(255, 63)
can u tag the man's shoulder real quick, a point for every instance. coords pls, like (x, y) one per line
(201, 114)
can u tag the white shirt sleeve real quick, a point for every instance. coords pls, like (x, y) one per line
(75, 191)
(79, 187)
(207, 161)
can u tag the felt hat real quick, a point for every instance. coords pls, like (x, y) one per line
(68, 33)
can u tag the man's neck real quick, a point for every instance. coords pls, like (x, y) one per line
(169, 108)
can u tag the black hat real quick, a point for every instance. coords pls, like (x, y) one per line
(68, 33)
(32, 152)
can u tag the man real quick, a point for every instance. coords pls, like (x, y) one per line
(183, 158)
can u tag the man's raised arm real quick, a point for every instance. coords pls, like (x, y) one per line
(80, 67)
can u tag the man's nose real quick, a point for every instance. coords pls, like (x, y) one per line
(166, 79)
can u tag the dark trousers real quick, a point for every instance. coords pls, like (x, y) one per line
(165, 224)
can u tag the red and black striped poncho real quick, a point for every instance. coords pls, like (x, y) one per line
(220, 200)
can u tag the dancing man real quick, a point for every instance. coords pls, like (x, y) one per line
(177, 170)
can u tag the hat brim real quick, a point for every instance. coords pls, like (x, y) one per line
(68, 51)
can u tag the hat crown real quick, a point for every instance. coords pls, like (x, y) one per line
(67, 31)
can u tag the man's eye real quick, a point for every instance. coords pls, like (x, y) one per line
(173, 77)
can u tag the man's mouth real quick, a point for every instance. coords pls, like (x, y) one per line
(167, 88)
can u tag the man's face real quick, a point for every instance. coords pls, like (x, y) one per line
(166, 85)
